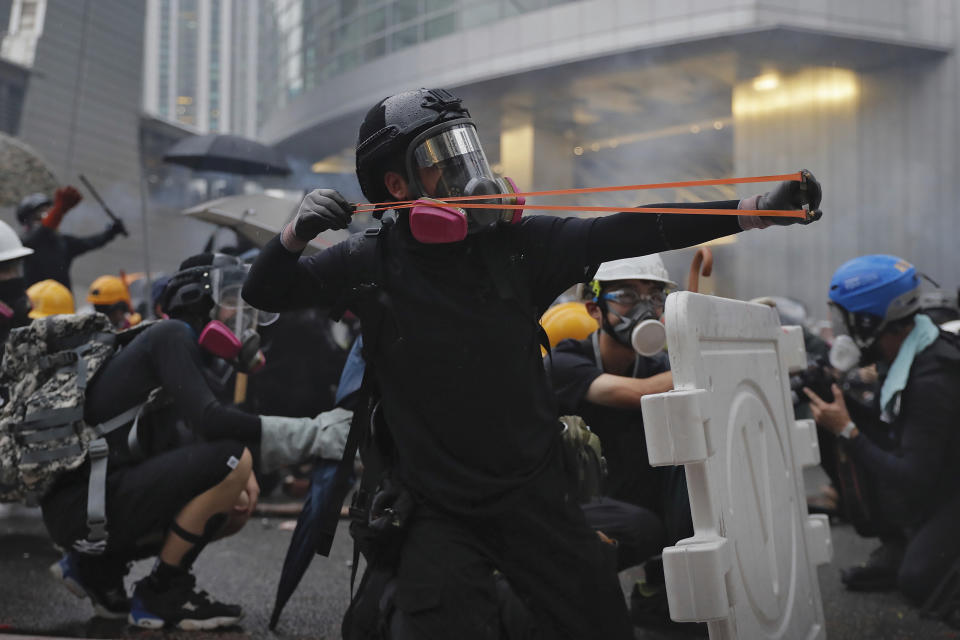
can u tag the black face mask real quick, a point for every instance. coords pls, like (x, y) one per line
(13, 293)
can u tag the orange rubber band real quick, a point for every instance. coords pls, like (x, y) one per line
(463, 201)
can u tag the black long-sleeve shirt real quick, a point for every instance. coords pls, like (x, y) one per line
(925, 466)
(463, 385)
(53, 253)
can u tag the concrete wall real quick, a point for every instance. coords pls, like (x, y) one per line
(82, 114)
(888, 162)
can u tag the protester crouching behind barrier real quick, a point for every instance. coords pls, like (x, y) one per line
(449, 301)
(603, 379)
(163, 496)
(909, 464)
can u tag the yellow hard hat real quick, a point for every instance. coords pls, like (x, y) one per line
(107, 290)
(49, 298)
(568, 320)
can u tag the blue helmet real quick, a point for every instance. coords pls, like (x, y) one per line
(872, 291)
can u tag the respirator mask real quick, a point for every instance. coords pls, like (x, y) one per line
(639, 328)
(231, 333)
(855, 338)
(447, 161)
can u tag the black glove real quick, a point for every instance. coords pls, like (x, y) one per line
(793, 194)
(116, 228)
(321, 209)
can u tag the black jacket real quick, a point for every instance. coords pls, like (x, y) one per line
(463, 385)
(53, 253)
(924, 466)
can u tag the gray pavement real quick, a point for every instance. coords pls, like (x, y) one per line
(245, 569)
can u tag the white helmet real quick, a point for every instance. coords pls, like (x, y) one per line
(10, 246)
(640, 268)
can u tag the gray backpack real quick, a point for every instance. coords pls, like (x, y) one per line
(43, 379)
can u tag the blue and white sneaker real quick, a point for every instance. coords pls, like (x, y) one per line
(85, 578)
(180, 605)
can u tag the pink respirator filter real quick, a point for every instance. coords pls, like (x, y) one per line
(217, 339)
(433, 222)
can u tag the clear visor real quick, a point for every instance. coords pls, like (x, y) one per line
(229, 306)
(451, 163)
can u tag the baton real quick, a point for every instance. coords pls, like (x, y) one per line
(103, 205)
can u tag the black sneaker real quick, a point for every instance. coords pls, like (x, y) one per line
(879, 573)
(91, 578)
(180, 605)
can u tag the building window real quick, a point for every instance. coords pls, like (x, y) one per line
(441, 26)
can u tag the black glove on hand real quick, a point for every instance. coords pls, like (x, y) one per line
(116, 228)
(793, 194)
(321, 209)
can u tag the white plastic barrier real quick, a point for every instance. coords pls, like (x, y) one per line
(750, 569)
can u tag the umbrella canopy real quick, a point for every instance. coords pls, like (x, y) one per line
(22, 172)
(229, 154)
(258, 218)
(309, 537)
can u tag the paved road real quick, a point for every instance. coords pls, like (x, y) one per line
(245, 569)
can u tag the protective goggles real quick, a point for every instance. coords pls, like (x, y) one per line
(631, 297)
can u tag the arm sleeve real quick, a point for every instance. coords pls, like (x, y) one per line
(565, 251)
(623, 235)
(78, 246)
(283, 281)
(928, 422)
(571, 375)
(177, 362)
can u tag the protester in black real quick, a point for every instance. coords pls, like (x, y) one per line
(455, 348)
(910, 455)
(54, 252)
(163, 496)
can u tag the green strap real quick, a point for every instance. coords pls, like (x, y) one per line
(48, 434)
(97, 491)
(49, 418)
(49, 455)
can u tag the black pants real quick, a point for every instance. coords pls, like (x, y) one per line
(639, 532)
(931, 552)
(446, 587)
(142, 500)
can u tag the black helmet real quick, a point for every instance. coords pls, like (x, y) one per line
(190, 290)
(389, 128)
(30, 204)
(208, 285)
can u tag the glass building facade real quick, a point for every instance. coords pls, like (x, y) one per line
(319, 39)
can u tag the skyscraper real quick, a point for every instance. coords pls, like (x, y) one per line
(200, 62)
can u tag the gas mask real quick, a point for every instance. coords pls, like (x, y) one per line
(640, 328)
(855, 341)
(231, 333)
(447, 161)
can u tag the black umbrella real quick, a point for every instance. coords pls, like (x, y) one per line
(315, 528)
(228, 154)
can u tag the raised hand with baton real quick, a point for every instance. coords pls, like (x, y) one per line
(117, 227)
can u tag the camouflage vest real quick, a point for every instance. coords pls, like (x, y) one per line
(43, 376)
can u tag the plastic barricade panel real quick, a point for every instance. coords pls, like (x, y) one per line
(750, 569)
